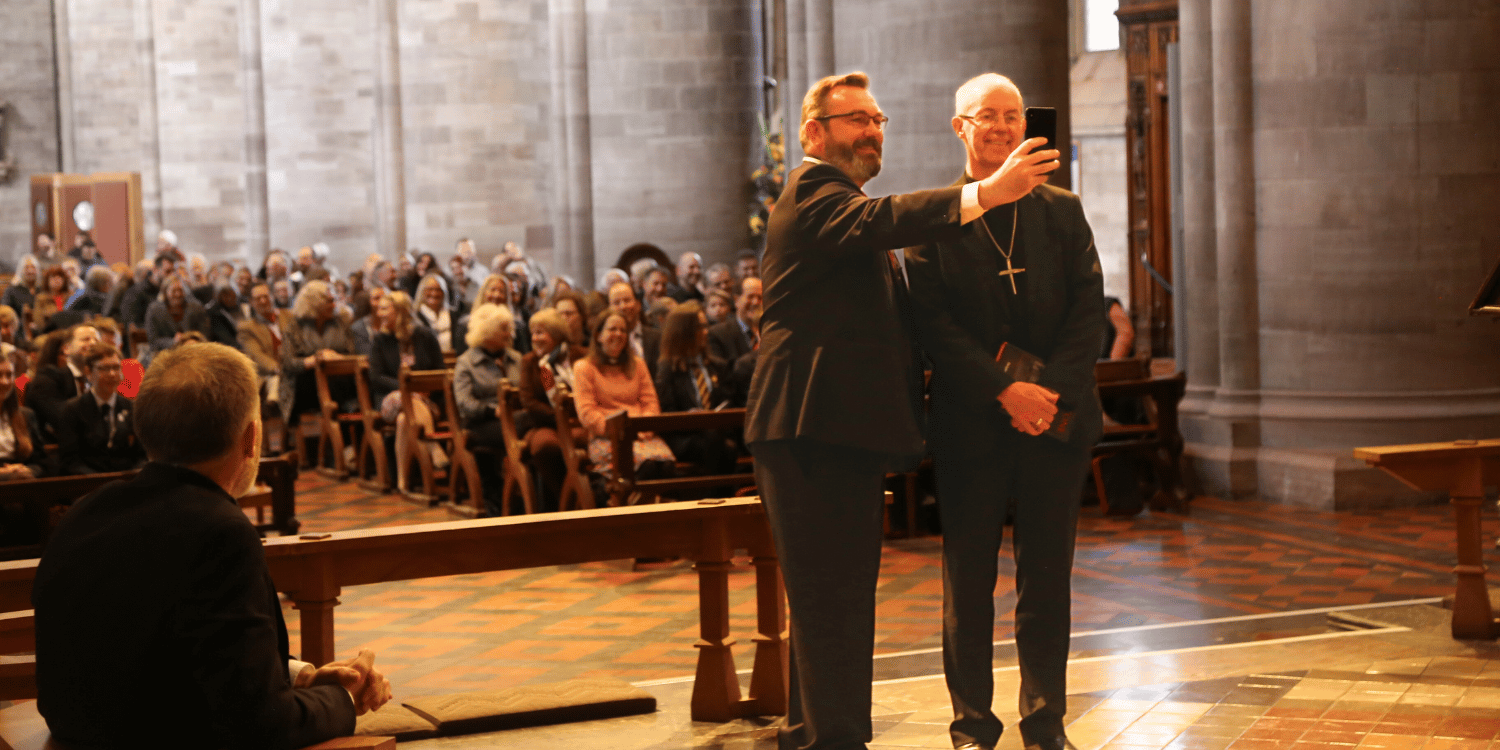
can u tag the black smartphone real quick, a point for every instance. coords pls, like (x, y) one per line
(1041, 122)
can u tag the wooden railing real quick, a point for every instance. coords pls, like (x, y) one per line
(313, 569)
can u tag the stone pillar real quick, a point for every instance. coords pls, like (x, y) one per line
(63, 55)
(917, 55)
(820, 41)
(150, 135)
(1357, 166)
(257, 196)
(672, 117)
(1200, 255)
(390, 135)
(573, 183)
(794, 84)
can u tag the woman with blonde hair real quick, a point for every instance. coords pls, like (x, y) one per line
(545, 371)
(401, 342)
(24, 285)
(432, 310)
(476, 388)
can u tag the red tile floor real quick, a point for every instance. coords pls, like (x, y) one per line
(1220, 560)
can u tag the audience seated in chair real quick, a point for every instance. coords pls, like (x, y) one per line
(22, 454)
(262, 336)
(315, 328)
(494, 290)
(431, 301)
(611, 378)
(97, 434)
(545, 370)
(59, 375)
(20, 295)
(402, 341)
(689, 378)
(476, 387)
(644, 340)
(574, 312)
(175, 314)
(366, 318)
(52, 298)
(99, 281)
(156, 619)
(224, 314)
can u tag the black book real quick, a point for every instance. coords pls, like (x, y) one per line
(1024, 367)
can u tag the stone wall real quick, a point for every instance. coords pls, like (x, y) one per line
(29, 91)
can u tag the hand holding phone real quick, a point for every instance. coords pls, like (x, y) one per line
(1041, 122)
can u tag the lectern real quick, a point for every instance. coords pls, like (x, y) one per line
(107, 205)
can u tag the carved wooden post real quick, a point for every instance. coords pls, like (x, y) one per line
(316, 599)
(1472, 617)
(768, 681)
(716, 689)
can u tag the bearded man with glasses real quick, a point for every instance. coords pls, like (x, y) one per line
(835, 401)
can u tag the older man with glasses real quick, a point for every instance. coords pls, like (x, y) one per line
(835, 400)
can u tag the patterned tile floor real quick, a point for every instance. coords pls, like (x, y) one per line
(1220, 560)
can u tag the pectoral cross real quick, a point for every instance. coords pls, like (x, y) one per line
(1010, 274)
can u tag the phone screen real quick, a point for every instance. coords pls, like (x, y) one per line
(1041, 122)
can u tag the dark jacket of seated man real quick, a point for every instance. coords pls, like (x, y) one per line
(157, 624)
(94, 438)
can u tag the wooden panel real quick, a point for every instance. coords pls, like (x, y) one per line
(112, 221)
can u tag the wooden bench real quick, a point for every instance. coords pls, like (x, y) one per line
(464, 481)
(331, 421)
(313, 569)
(518, 477)
(373, 466)
(1159, 441)
(622, 430)
(36, 505)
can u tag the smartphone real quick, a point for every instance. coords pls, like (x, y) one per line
(1041, 122)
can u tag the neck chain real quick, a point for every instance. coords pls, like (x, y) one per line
(1010, 272)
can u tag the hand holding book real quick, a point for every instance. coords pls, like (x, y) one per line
(1032, 408)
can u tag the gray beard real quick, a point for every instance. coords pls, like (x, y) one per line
(862, 169)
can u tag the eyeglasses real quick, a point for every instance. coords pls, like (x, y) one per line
(988, 119)
(860, 120)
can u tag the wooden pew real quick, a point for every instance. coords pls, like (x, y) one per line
(622, 430)
(330, 420)
(415, 382)
(518, 476)
(313, 569)
(463, 463)
(1159, 441)
(37, 505)
(576, 491)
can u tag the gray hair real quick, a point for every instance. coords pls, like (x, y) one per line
(99, 278)
(486, 320)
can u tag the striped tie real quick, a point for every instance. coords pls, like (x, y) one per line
(701, 378)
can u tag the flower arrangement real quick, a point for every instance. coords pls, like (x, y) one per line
(766, 182)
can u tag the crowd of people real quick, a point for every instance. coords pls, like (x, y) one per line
(644, 338)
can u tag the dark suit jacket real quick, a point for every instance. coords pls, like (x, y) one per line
(46, 394)
(727, 341)
(39, 461)
(651, 346)
(959, 300)
(678, 391)
(385, 359)
(85, 442)
(837, 360)
(533, 393)
(156, 617)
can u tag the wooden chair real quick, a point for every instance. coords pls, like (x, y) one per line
(414, 382)
(449, 360)
(518, 476)
(1158, 442)
(375, 437)
(576, 493)
(622, 430)
(464, 463)
(331, 421)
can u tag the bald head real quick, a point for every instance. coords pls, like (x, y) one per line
(969, 95)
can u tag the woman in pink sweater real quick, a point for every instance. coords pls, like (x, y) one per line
(610, 379)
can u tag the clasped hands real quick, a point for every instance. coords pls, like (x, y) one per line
(1031, 407)
(369, 688)
(1022, 171)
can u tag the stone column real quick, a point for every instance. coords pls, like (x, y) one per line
(63, 57)
(573, 183)
(794, 85)
(390, 135)
(257, 195)
(1200, 255)
(150, 134)
(821, 61)
(1357, 166)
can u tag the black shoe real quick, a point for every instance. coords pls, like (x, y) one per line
(1055, 742)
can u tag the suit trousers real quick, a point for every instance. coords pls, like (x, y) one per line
(1036, 481)
(825, 504)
